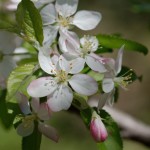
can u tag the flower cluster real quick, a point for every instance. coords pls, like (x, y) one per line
(38, 112)
(64, 56)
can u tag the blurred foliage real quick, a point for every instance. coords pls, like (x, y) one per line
(140, 6)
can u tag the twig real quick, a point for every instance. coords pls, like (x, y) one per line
(130, 127)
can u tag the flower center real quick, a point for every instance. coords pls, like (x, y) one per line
(86, 48)
(61, 76)
(64, 21)
(123, 81)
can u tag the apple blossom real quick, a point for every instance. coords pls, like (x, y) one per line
(40, 113)
(59, 93)
(84, 49)
(61, 16)
(114, 68)
(97, 128)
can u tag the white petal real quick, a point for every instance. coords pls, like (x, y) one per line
(86, 20)
(83, 84)
(93, 100)
(69, 56)
(42, 87)
(107, 85)
(110, 65)
(118, 63)
(48, 14)
(35, 103)
(40, 3)
(50, 33)
(48, 131)
(110, 98)
(103, 99)
(23, 103)
(68, 41)
(66, 8)
(25, 128)
(44, 111)
(61, 99)
(76, 65)
(95, 63)
(64, 64)
(46, 63)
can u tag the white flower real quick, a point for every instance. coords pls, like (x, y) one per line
(61, 16)
(40, 113)
(84, 49)
(59, 93)
(110, 78)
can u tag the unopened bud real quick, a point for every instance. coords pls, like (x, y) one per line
(97, 128)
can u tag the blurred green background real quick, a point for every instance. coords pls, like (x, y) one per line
(118, 18)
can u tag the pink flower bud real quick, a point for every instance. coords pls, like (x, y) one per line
(97, 128)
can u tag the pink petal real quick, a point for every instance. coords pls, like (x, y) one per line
(95, 63)
(42, 87)
(118, 63)
(44, 111)
(48, 131)
(35, 103)
(97, 128)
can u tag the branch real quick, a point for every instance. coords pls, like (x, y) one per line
(130, 127)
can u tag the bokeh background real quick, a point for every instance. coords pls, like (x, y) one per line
(119, 17)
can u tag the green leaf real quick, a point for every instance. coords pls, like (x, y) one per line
(102, 49)
(80, 101)
(29, 21)
(7, 117)
(111, 41)
(33, 141)
(114, 141)
(86, 115)
(7, 26)
(19, 79)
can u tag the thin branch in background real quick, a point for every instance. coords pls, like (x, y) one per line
(131, 128)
